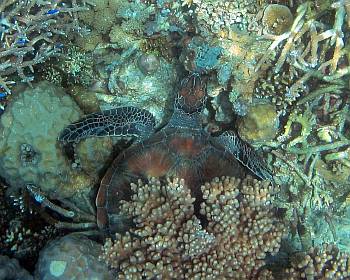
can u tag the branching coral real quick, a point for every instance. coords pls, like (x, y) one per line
(325, 263)
(306, 121)
(308, 45)
(308, 80)
(229, 237)
(276, 86)
(123, 21)
(30, 32)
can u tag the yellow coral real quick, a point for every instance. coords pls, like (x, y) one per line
(306, 121)
(260, 123)
(277, 19)
(104, 20)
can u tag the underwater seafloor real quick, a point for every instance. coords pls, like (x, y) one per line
(274, 72)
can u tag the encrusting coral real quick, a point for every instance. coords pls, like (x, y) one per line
(228, 237)
(29, 150)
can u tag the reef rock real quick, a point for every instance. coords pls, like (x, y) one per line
(73, 256)
(144, 84)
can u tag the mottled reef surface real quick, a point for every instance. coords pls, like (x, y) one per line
(276, 72)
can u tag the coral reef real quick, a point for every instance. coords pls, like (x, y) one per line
(307, 79)
(77, 65)
(31, 32)
(122, 21)
(219, 17)
(309, 55)
(24, 237)
(101, 17)
(200, 57)
(130, 85)
(73, 66)
(73, 256)
(30, 152)
(22, 233)
(277, 71)
(325, 263)
(35, 117)
(260, 124)
(275, 86)
(229, 238)
(87, 99)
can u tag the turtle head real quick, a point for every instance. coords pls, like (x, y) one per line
(192, 96)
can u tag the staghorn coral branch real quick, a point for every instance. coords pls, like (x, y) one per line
(311, 56)
(4, 84)
(290, 36)
(320, 148)
(338, 36)
(29, 31)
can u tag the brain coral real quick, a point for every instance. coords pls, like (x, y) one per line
(28, 141)
(227, 239)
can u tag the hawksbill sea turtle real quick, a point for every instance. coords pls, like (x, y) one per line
(181, 149)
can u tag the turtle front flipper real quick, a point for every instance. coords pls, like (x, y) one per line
(123, 121)
(245, 154)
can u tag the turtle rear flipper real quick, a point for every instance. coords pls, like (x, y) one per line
(123, 121)
(245, 154)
